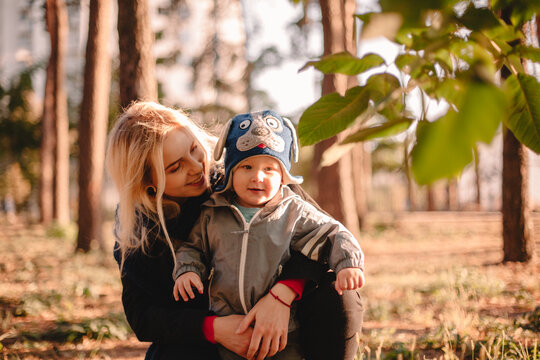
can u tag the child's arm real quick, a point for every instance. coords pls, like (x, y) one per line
(349, 279)
(191, 258)
(182, 286)
(318, 235)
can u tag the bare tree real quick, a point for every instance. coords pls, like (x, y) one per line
(93, 124)
(137, 65)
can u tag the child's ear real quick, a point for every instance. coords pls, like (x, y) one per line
(220, 145)
(294, 145)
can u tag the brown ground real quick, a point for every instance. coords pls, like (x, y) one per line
(410, 242)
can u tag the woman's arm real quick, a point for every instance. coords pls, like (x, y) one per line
(153, 322)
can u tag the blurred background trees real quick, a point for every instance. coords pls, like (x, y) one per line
(209, 57)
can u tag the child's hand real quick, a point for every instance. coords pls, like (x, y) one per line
(183, 287)
(349, 279)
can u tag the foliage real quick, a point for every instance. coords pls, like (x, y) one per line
(19, 133)
(452, 51)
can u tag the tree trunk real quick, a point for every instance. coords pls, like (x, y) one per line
(137, 75)
(48, 136)
(518, 244)
(93, 125)
(56, 107)
(430, 198)
(335, 183)
(411, 199)
(452, 202)
(478, 202)
(517, 241)
(361, 168)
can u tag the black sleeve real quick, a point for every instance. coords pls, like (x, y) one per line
(300, 267)
(150, 308)
(154, 322)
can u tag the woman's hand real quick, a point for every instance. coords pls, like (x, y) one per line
(225, 334)
(271, 320)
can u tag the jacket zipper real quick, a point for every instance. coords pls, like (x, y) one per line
(243, 257)
(210, 281)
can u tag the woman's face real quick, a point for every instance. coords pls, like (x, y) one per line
(185, 165)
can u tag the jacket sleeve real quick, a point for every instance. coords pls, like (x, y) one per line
(154, 322)
(193, 254)
(317, 232)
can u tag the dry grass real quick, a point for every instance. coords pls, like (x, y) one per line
(435, 290)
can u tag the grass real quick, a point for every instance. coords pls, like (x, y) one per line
(433, 292)
(438, 292)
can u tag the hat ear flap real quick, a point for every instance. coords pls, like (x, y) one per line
(294, 145)
(220, 145)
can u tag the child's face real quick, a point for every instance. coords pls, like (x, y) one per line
(256, 180)
(185, 165)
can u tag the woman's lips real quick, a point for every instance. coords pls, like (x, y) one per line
(199, 182)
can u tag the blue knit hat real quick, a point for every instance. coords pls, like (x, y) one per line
(259, 133)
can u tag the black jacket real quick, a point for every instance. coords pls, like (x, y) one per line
(175, 327)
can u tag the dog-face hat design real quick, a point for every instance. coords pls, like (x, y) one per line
(259, 133)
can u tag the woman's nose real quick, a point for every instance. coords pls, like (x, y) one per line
(196, 164)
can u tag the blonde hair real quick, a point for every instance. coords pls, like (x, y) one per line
(134, 151)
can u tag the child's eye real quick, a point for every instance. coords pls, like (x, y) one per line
(193, 148)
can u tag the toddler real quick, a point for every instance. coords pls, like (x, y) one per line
(253, 221)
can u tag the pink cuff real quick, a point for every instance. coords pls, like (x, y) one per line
(296, 285)
(208, 328)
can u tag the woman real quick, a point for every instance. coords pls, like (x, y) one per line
(160, 162)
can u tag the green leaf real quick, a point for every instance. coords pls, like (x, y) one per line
(473, 53)
(380, 130)
(527, 52)
(445, 146)
(524, 120)
(381, 86)
(345, 63)
(331, 114)
(514, 62)
(477, 19)
(440, 151)
(405, 62)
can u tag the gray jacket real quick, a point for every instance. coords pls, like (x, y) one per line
(245, 258)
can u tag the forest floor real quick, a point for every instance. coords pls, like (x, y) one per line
(435, 289)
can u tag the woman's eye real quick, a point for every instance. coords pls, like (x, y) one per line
(193, 148)
(175, 168)
(244, 124)
(273, 123)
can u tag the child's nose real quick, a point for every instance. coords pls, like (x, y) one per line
(259, 176)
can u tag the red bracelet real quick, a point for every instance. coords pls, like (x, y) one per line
(278, 299)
